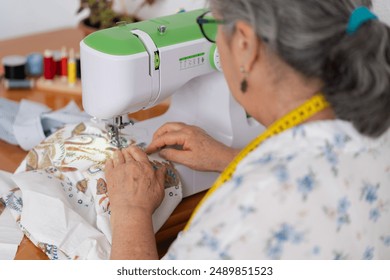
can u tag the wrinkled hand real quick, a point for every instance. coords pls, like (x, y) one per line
(132, 183)
(199, 150)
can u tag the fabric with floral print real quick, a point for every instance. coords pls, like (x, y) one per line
(60, 198)
(318, 191)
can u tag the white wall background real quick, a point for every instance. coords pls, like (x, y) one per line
(23, 17)
(382, 9)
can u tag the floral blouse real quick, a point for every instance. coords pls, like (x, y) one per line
(318, 191)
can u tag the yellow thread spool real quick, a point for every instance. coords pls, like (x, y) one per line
(72, 72)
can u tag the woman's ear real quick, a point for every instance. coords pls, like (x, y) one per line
(245, 46)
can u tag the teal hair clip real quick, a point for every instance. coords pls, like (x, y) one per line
(358, 17)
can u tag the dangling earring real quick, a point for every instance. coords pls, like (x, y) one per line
(244, 82)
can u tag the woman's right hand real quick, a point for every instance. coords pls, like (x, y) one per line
(191, 146)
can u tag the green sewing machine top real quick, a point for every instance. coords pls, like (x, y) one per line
(119, 40)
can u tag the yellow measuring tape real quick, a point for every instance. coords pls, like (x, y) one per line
(311, 107)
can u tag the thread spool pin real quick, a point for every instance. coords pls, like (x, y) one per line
(162, 29)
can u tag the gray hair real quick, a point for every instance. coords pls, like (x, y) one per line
(310, 36)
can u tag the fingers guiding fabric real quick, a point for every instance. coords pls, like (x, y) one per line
(109, 164)
(171, 139)
(118, 158)
(160, 174)
(164, 131)
(168, 127)
(137, 154)
(175, 155)
(127, 155)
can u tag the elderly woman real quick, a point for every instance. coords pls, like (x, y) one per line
(316, 184)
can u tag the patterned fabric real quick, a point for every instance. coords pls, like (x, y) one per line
(317, 191)
(60, 197)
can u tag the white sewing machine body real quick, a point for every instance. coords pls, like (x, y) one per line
(136, 66)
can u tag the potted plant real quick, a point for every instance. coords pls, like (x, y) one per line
(102, 15)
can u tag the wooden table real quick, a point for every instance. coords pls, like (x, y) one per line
(12, 155)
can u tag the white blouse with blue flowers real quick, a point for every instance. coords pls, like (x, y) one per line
(318, 191)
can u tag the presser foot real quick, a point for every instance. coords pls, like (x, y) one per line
(113, 131)
(120, 142)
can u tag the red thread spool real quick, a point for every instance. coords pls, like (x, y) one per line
(64, 63)
(48, 65)
(58, 67)
(57, 63)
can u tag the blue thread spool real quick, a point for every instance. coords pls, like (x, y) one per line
(34, 65)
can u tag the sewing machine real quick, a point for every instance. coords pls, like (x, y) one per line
(135, 66)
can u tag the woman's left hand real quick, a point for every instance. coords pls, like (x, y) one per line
(132, 183)
(135, 190)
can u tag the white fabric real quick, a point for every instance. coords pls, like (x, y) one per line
(70, 114)
(28, 123)
(10, 233)
(61, 201)
(8, 111)
(27, 127)
(10, 236)
(318, 191)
